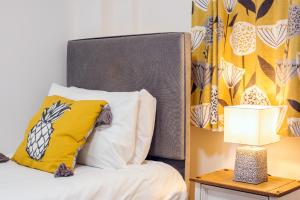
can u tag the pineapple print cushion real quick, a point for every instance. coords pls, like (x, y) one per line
(56, 133)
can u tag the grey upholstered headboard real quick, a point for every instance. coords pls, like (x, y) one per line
(158, 62)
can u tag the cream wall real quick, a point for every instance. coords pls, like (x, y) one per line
(32, 55)
(95, 18)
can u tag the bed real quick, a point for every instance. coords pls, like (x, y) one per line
(159, 63)
(152, 180)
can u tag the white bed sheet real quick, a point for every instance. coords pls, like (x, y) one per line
(152, 180)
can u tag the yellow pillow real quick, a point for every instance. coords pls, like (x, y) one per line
(57, 132)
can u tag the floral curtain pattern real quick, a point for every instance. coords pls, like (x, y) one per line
(245, 52)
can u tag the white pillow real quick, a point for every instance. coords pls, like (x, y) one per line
(145, 127)
(108, 146)
(145, 122)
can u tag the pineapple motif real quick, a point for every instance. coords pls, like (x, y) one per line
(39, 136)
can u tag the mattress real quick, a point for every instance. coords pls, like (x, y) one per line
(151, 180)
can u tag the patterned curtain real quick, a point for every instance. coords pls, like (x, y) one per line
(245, 52)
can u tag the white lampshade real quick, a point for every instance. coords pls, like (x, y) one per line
(251, 125)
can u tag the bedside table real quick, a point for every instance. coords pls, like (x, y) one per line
(219, 185)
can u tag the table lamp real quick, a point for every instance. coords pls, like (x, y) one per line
(255, 126)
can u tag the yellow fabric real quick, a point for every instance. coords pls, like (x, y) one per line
(245, 52)
(70, 130)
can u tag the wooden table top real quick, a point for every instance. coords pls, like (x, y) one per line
(274, 187)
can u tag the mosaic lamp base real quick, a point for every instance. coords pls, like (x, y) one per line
(251, 165)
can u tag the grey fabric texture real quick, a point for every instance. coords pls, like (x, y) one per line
(105, 117)
(3, 158)
(156, 62)
(63, 171)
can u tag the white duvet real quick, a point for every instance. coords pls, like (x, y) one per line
(152, 180)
